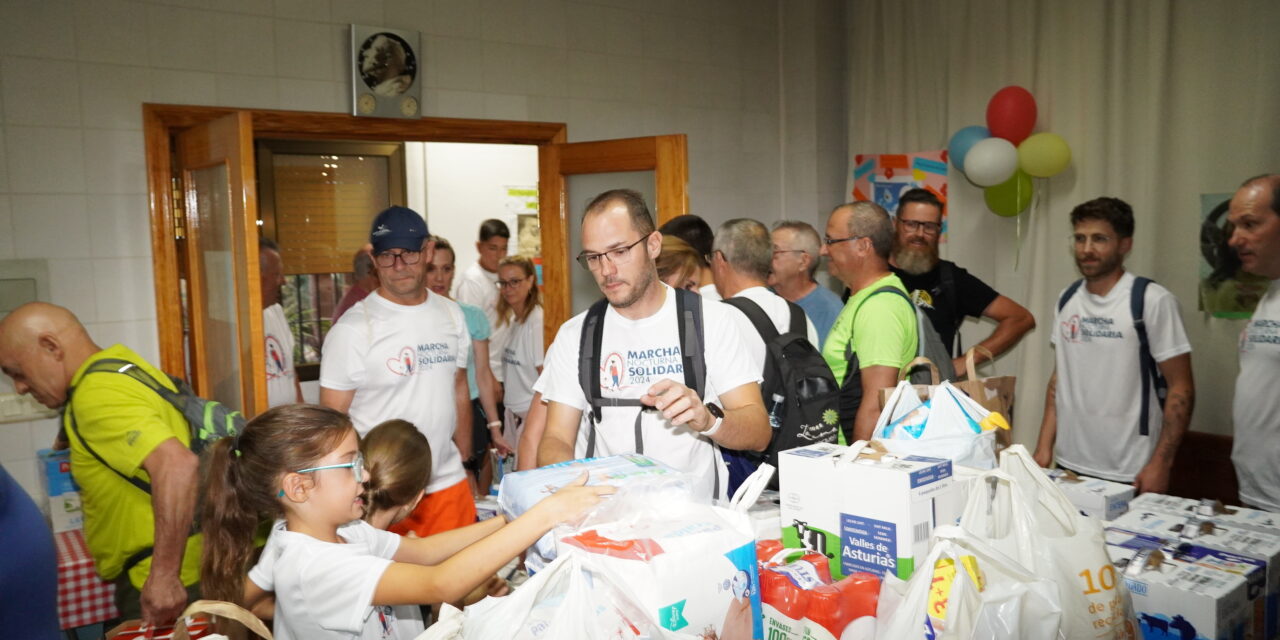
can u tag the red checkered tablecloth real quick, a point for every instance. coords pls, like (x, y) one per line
(83, 597)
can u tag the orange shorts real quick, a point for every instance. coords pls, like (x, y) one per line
(444, 510)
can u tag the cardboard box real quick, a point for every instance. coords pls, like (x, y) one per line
(1213, 535)
(1177, 599)
(873, 513)
(65, 513)
(1094, 497)
(1243, 517)
(1252, 571)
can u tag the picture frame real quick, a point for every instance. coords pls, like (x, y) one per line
(386, 72)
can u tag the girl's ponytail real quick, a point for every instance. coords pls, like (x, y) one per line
(228, 521)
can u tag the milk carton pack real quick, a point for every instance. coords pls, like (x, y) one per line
(65, 513)
(863, 508)
(1094, 497)
(1214, 535)
(1252, 571)
(1245, 518)
(1177, 599)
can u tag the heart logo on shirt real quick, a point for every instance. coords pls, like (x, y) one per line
(1071, 329)
(402, 364)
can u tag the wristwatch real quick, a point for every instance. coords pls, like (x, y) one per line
(718, 414)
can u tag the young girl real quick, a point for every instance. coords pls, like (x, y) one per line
(519, 306)
(332, 573)
(678, 264)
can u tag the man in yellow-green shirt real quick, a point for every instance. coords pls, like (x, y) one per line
(876, 330)
(136, 436)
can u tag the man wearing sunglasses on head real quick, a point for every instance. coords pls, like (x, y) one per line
(401, 353)
(631, 391)
(949, 293)
(875, 334)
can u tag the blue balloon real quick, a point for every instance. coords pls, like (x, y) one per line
(962, 141)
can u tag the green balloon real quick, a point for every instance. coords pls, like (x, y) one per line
(1044, 155)
(1010, 197)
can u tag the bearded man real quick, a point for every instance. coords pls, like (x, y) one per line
(949, 292)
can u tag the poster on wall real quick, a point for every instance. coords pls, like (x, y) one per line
(881, 178)
(522, 201)
(1225, 290)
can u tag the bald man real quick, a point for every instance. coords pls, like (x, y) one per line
(120, 432)
(1254, 215)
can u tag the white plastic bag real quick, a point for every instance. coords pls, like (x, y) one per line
(947, 426)
(967, 589)
(690, 567)
(1069, 548)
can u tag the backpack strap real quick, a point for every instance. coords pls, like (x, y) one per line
(888, 288)
(114, 365)
(947, 278)
(799, 321)
(689, 312)
(1150, 371)
(762, 323)
(1071, 291)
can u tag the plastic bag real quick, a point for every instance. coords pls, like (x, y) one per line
(949, 425)
(967, 589)
(691, 567)
(1069, 548)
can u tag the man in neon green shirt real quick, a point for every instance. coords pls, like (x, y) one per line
(877, 332)
(46, 351)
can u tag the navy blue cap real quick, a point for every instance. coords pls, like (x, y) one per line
(398, 228)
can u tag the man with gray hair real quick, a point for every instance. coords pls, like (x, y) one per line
(366, 280)
(740, 263)
(875, 335)
(796, 253)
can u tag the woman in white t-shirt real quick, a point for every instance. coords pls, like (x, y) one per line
(520, 308)
(333, 574)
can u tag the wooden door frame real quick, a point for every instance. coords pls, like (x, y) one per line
(666, 155)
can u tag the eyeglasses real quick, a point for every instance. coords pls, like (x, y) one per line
(1097, 239)
(616, 257)
(356, 465)
(828, 240)
(929, 228)
(386, 259)
(511, 284)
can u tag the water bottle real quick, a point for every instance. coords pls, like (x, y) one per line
(775, 410)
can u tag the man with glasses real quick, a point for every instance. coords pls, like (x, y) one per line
(1119, 341)
(642, 403)
(401, 353)
(796, 253)
(948, 292)
(875, 334)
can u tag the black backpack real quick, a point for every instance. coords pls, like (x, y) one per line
(795, 371)
(208, 420)
(689, 314)
(1149, 369)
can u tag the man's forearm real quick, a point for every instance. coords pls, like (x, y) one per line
(173, 501)
(1049, 424)
(1177, 417)
(745, 428)
(462, 430)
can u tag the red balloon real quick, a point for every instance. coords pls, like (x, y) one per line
(1011, 114)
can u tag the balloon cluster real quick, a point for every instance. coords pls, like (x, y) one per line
(1003, 156)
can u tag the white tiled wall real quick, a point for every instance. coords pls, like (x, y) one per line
(73, 74)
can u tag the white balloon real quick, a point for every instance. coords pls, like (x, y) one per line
(991, 162)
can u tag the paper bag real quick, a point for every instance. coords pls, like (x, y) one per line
(994, 394)
(196, 622)
(924, 391)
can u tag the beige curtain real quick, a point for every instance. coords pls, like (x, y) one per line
(1160, 101)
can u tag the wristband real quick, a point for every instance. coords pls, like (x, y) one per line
(495, 423)
(717, 413)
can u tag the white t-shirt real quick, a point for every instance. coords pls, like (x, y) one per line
(1099, 378)
(635, 354)
(709, 292)
(776, 308)
(281, 376)
(325, 589)
(480, 288)
(1256, 408)
(521, 358)
(401, 361)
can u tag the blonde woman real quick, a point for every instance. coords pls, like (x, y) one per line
(520, 309)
